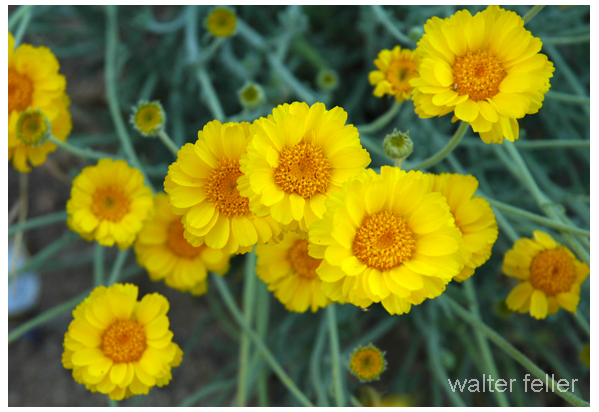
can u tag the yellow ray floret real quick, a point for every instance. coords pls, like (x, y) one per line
(550, 276)
(297, 157)
(395, 70)
(118, 346)
(486, 69)
(386, 238)
(109, 203)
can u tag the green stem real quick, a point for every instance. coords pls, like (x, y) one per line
(315, 362)
(510, 350)
(117, 267)
(270, 359)
(373, 146)
(38, 222)
(290, 80)
(384, 19)
(534, 144)
(211, 97)
(205, 391)
(262, 317)
(17, 15)
(41, 257)
(98, 264)
(334, 340)
(584, 324)
(571, 78)
(112, 403)
(372, 335)
(164, 138)
(85, 153)
(585, 38)
(301, 46)
(18, 240)
(249, 297)
(532, 12)
(382, 121)
(23, 27)
(569, 98)
(355, 402)
(441, 154)
(111, 91)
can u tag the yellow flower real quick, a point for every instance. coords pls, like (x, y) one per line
(221, 22)
(585, 355)
(297, 157)
(396, 401)
(34, 86)
(110, 203)
(291, 273)
(148, 118)
(550, 276)
(367, 363)
(395, 70)
(161, 249)
(487, 69)
(386, 238)
(370, 397)
(202, 187)
(473, 216)
(118, 346)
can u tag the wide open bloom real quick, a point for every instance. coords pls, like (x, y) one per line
(109, 203)
(202, 187)
(550, 276)
(35, 91)
(386, 238)
(119, 346)
(395, 70)
(296, 158)
(473, 216)
(486, 68)
(161, 249)
(290, 273)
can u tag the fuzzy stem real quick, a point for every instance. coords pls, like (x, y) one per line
(249, 297)
(334, 340)
(164, 138)
(441, 154)
(532, 12)
(85, 153)
(381, 121)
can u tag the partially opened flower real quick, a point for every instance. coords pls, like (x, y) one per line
(109, 203)
(161, 249)
(221, 22)
(486, 68)
(296, 158)
(148, 118)
(202, 188)
(386, 238)
(290, 273)
(473, 216)
(367, 363)
(119, 346)
(550, 276)
(395, 70)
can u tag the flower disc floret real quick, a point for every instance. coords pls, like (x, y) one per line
(395, 70)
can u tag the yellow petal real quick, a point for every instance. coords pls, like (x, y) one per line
(538, 305)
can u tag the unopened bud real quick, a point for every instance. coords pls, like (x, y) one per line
(398, 146)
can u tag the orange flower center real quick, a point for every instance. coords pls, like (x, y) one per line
(552, 271)
(400, 73)
(110, 203)
(367, 363)
(221, 188)
(383, 241)
(124, 341)
(20, 91)
(478, 74)
(303, 264)
(177, 242)
(303, 169)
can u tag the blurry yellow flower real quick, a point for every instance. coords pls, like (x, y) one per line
(148, 118)
(367, 363)
(396, 401)
(395, 70)
(386, 238)
(290, 273)
(118, 346)
(585, 355)
(296, 158)
(473, 216)
(370, 397)
(550, 276)
(202, 187)
(161, 249)
(221, 22)
(110, 203)
(34, 86)
(487, 69)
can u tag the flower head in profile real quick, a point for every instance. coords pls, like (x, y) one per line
(109, 203)
(395, 70)
(161, 249)
(550, 276)
(386, 238)
(296, 158)
(486, 69)
(148, 118)
(290, 273)
(37, 105)
(473, 216)
(221, 22)
(118, 346)
(202, 188)
(367, 363)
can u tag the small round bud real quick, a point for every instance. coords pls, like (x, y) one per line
(221, 22)
(398, 146)
(327, 79)
(251, 95)
(33, 127)
(416, 33)
(148, 118)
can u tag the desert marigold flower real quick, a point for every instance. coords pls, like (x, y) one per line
(290, 273)
(473, 216)
(386, 238)
(367, 363)
(161, 249)
(486, 68)
(395, 70)
(118, 346)
(148, 118)
(221, 22)
(202, 187)
(110, 203)
(297, 157)
(37, 104)
(550, 276)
